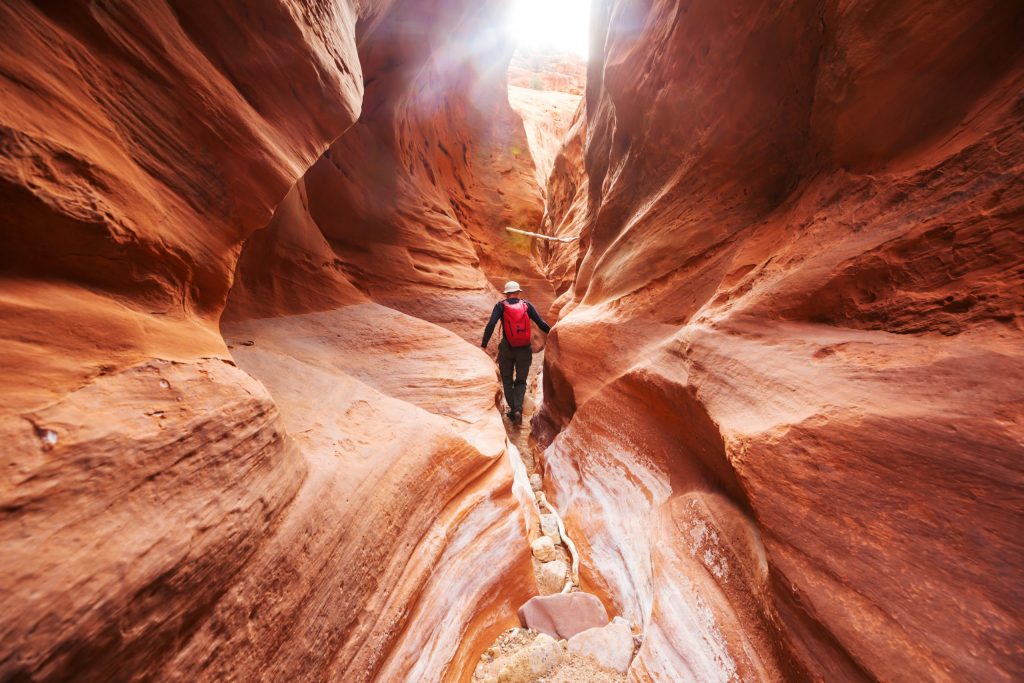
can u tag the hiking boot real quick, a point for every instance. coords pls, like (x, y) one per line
(517, 419)
(511, 414)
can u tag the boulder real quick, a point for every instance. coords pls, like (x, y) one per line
(543, 549)
(563, 615)
(533, 661)
(610, 646)
(551, 577)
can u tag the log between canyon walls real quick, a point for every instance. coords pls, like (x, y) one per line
(784, 399)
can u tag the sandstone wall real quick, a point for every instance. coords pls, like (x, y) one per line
(414, 200)
(141, 145)
(783, 406)
(547, 116)
(166, 516)
(784, 397)
(567, 203)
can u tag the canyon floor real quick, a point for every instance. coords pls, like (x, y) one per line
(518, 654)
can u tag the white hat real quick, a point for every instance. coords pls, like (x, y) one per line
(511, 286)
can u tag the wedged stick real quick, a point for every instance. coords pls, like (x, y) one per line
(539, 236)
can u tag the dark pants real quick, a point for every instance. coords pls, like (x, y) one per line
(515, 359)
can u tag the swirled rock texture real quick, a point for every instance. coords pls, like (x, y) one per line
(567, 201)
(140, 147)
(414, 201)
(319, 501)
(784, 398)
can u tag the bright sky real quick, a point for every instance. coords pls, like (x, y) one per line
(560, 24)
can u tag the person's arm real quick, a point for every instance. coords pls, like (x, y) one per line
(489, 330)
(535, 317)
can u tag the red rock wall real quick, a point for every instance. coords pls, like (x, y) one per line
(784, 395)
(783, 404)
(414, 200)
(139, 151)
(553, 121)
(164, 515)
(566, 206)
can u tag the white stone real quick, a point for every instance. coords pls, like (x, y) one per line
(543, 549)
(549, 527)
(532, 662)
(536, 482)
(610, 646)
(551, 577)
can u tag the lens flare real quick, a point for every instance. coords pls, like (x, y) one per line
(558, 25)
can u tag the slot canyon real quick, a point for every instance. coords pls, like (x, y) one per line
(248, 251)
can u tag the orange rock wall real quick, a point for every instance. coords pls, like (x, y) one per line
(783, 400)
(139, 151)
(414, 200)
(782, 406)
(164, 515)
(567, 202)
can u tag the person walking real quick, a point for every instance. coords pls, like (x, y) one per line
(514, 352)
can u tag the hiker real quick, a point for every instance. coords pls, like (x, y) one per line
(514, 352)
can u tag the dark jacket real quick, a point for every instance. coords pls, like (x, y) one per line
(497, 312)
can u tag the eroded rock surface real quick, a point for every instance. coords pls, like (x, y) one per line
(547, 117)
(545, 69)
(784, 394)
(407, 490)
(167, 516)
(412, 204)
(611, 646)
(566, 213)
(141, 146)
(245, 436)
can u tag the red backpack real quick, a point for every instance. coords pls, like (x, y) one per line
(515, 320)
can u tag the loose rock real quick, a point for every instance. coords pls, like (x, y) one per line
(549, 527)
(563, 615)
(551, 577)
(533, 661)
(610, 646)
(543, 549)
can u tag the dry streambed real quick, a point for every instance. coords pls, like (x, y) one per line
(565, 634)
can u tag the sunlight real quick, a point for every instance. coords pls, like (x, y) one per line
(559, 25)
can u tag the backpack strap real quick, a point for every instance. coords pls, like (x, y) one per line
(504, 308)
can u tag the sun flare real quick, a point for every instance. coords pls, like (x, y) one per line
(559, 25)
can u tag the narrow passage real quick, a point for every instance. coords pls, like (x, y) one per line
(565, 634)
